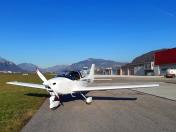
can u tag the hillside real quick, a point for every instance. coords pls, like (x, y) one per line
(100, 63)
(57, 68)
(147, 57)
(28, 67)
(6, 65)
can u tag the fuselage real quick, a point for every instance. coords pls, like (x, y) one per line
(62, 85)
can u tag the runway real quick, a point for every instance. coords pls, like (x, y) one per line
(112, 111)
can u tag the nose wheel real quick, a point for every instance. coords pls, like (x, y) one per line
(88, 100)
(54, 102)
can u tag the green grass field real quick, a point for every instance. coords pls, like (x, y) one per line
(18, 104)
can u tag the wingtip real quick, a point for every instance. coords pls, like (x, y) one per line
(8, 82)
(155, 85)
(11, 82)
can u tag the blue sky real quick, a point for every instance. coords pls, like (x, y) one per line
(54, 32)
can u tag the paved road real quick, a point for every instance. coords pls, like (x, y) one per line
(111, 111)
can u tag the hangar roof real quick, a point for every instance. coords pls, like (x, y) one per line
(140, 60)
(165, 57)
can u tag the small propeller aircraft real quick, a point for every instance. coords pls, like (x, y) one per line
(59, 86)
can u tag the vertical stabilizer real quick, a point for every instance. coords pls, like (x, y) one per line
(92, 72)
(90, 76)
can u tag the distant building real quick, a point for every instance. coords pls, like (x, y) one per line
(165, 60)
(25, 74)
(152, 63)
(141, 66)
(10, 72)
(105, 71)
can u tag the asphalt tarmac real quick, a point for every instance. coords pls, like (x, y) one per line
(111, 111)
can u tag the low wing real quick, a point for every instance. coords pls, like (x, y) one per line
(113, 87)
(31, 85)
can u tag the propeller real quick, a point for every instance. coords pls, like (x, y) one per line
(45, 81)
(41, 76)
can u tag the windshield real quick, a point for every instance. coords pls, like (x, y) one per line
(72, 75)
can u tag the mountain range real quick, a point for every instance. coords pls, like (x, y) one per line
(100, 63)
(27, 67)
(6, 65)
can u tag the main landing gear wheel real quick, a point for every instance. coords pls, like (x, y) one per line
(87, 100)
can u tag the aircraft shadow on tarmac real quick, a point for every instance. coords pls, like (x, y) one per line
(113, 98)
(69, 98)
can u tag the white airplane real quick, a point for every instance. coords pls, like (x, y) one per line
(63, 86)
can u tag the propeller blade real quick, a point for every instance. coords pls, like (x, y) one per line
(42, 77)
(46, 82)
